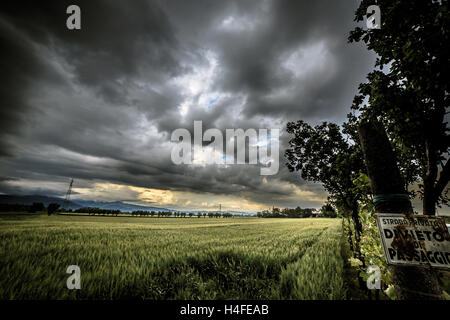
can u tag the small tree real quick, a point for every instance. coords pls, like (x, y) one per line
(52, 208)
(323, 154)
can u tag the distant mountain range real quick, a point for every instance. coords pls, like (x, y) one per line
(76, 204)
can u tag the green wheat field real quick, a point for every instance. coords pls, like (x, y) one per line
(171, 258)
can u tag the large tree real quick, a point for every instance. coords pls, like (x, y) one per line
(408, 90)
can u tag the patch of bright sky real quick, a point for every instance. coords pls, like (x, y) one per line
(62, 155)
(212, 101)
(238, 24)
(196, 85)
(304, 61)
(265, 140)
(144, 132)
(208, 155)
(234, 23)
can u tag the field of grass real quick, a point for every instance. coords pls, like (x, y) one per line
(170, 258)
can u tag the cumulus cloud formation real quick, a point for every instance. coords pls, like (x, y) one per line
(99, 104)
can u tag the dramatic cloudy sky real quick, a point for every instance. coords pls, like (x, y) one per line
(99, 104)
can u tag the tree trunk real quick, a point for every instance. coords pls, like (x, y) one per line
(358, 231)
(350, 237)
(429, 197)
(429, 202)
(411, 282)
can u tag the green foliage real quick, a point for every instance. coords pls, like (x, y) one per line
(328, 211)
(408, 90)
(326, 154)
(371, 249)
(286, 213)
(52, 208)
(322, 154)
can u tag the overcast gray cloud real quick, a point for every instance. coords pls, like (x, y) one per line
(99, 104)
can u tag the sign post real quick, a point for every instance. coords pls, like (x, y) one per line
(411, 282)
(414, 240)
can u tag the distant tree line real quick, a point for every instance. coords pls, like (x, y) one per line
(159, 214)
(177, 214)
(327, 211)
(9, 207)
(94, 211)
(33, 208)
(54, 207)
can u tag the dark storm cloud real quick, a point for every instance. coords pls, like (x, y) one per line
(252, 60)
(99, 104)
(117, 43)
(20, 68)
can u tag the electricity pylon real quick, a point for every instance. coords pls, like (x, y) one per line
(69, 191)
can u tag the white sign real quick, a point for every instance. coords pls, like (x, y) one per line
(415, 240)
